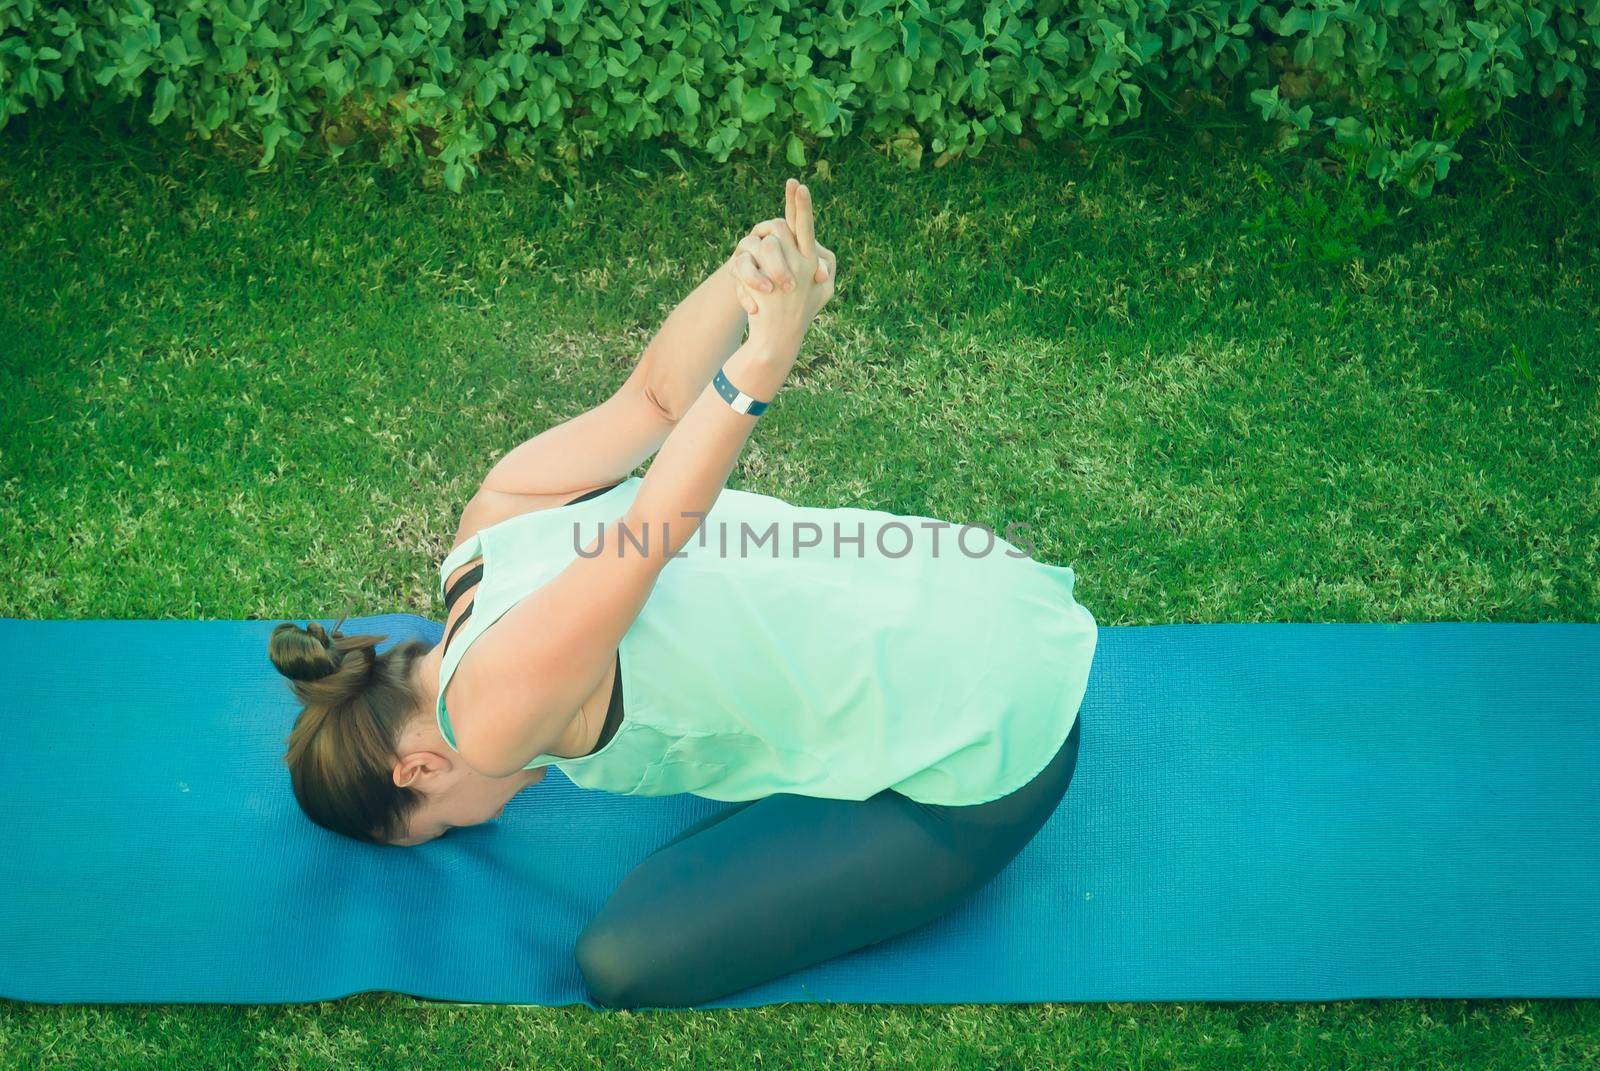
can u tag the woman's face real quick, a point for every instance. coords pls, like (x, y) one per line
(472, 802)
(453, 793)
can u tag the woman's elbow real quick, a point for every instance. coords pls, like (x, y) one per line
(662, 407)
(654, 388)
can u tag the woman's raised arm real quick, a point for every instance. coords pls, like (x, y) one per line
(532, 671)
(604, 444)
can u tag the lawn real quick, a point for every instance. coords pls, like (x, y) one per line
(1218, 387)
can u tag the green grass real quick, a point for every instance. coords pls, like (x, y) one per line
(1221, 389)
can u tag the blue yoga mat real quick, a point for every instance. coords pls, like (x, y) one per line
(1260, 812)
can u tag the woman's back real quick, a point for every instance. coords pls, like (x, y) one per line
(819, 651)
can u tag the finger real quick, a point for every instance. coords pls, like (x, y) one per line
(785, 234)
(803, 225)
(746, 299)
(747, 270)
(790, 189)
(777, 228)
(777, 268)
(771, 226)
(774, 270)
(778, 261)
(827, 265)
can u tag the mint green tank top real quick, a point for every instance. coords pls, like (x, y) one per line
(827, 652)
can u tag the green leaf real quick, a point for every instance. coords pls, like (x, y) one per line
(795, 152)
(270, 138)
(758, 104)
(813, 105)
(1293, 21)
(899, 72)
(859, 32)
(687, 99)
(173, 52)
(309, 15)
(166, 93)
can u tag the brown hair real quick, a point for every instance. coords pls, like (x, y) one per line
(342, 748)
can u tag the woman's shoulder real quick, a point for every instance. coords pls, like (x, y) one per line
(488, 508)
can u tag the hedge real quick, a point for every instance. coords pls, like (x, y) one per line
(1391, 84)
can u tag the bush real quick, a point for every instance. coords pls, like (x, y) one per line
(1395, 83)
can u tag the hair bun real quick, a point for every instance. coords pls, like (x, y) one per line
(303, 654)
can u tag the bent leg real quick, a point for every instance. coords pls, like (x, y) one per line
(778, 885)
(759, 891)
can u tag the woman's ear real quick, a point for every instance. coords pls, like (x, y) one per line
(416, 767)
(406, 772)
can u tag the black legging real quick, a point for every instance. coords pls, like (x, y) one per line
(768, 886)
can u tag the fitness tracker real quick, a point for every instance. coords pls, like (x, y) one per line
(738, 399)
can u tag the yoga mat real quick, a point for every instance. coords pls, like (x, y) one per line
(1260, 812)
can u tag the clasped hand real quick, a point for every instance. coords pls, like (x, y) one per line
(782, 274)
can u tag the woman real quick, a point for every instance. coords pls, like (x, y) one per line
(896, 713)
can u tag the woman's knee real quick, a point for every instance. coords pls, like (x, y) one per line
(624, 967)
(606, 961)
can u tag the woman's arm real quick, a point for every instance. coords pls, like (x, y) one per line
(604, 444)
(549, 652)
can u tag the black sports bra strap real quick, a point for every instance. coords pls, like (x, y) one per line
(466, 580)
(457, 627)
(596, 493)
